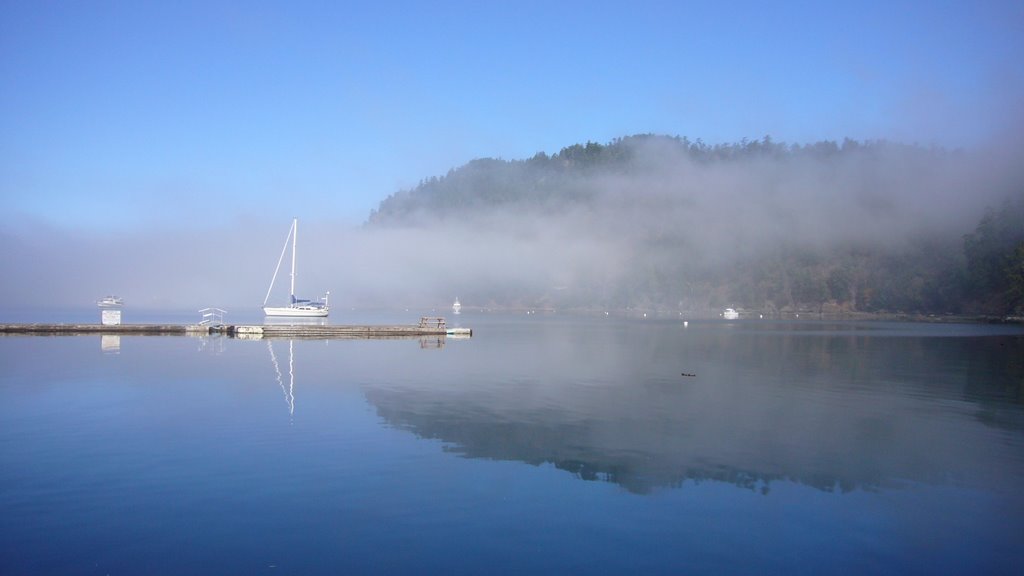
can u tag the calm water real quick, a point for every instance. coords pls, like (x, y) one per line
(542, 445)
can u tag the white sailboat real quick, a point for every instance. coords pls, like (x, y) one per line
(457, 306)
(295, 307)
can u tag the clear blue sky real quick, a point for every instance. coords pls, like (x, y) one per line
(116, 115)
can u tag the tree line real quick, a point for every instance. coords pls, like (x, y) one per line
(974, 270)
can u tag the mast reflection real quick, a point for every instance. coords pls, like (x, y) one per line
(289, 391)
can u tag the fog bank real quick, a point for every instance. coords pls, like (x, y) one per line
(666, 212)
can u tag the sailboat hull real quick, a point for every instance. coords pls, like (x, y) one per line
(296, 311)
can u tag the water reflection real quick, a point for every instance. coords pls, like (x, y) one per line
(289, 391)
(432, 342)
(110, 343)
(838, 411)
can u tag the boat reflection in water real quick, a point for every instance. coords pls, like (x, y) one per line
(289, 390)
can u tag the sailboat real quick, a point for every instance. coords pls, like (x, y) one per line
(295, 307)
(457, 307)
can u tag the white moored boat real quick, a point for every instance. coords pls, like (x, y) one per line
(295, 306)
(730, 314)
(110, 302)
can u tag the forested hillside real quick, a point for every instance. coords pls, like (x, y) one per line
(667, 224)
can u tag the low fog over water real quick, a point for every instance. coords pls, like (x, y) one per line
(666, 210)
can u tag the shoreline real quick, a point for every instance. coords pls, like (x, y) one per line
(237, 331)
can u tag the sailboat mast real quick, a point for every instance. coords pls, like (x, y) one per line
(295, 240)
(284, 249)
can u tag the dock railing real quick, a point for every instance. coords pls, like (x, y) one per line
(212, 316)
(432, 322)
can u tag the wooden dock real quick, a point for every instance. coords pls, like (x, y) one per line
(123, 329)
(330, 332)
(240, 331)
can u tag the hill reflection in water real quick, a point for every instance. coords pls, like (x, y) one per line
(836, 407)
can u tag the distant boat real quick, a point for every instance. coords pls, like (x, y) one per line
(110, 302)
(730, 314)
(457, 306)
(295, 307)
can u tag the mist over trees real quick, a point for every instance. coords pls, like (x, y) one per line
(667, 224)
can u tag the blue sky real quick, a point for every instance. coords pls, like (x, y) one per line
(126, 115)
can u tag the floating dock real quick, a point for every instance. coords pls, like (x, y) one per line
(241, 331)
